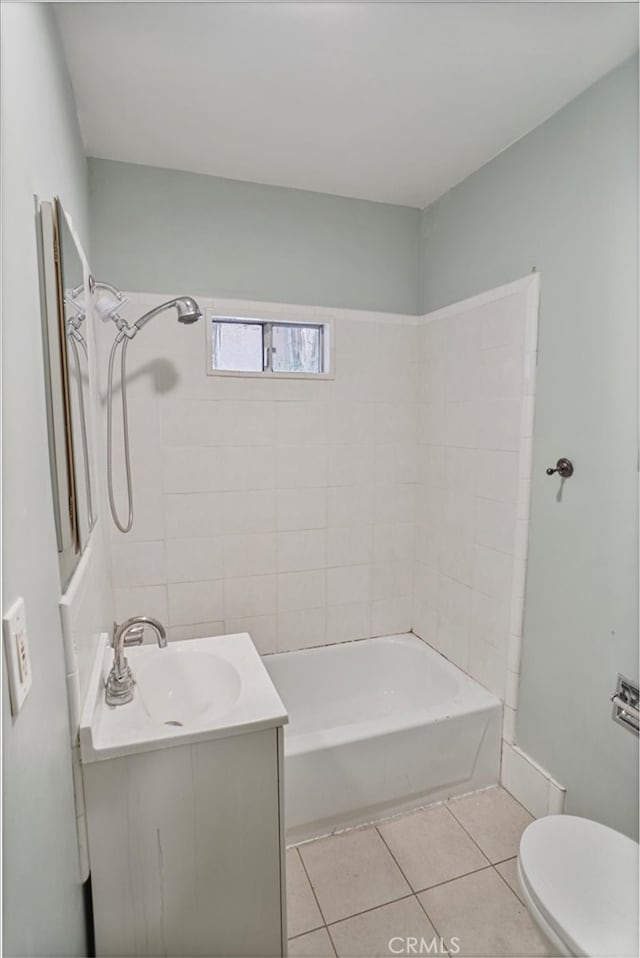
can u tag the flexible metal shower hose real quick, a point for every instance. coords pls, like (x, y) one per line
(125, 433)
(83, 423)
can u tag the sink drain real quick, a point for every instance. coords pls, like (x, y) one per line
(174, 722)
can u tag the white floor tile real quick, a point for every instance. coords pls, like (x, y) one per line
(484, 915)
(303, 913)
(431, 847)
(371, 934)
(494, 820)
(352, 872)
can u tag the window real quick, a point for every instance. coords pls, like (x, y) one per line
(261, 346)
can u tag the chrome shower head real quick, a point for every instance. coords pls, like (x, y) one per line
(187, 309)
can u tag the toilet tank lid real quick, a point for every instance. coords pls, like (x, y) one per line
(583, 876)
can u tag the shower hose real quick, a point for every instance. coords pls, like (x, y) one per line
(119, 340)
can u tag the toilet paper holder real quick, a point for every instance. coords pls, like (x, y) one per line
(626, 704)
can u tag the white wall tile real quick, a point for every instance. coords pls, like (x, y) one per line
(197, 630)
(350, 422)
(350, 505)
(391, 580)
(193, 516)
(492, 572)
(194, 560)
(392, 542)
(496, 475)
(348, 584)
(138, 563)
(192, 422)
(249, 596)
(248, 423)
(346, 623)
(253, 510)
(301, 424)
(247, 467)
(395, 462)
(525, 780)
(395, 422)
(250, 554)
(395, 503)
(191, 602)
(261, 628)
(391, 616)
(495, 524)
(299, 551)
(299, 509)
(350, 465)
(498, 424)
(349, 545)
(301, 629)
(300, 466)
(301, 590)
(147, 600)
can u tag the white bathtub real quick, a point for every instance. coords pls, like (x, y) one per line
(377, 727)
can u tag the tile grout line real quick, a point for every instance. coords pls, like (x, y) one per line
(467, 832)
(367, 911)
(432, 923)
(313, 891)
(512, 890)
(415, 894)
(400, 869)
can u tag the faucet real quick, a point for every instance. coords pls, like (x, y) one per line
(120, 681)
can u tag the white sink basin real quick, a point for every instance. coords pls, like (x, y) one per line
(181, 687)
(188, 692)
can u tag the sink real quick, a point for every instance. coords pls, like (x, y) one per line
(188, 692)
(182, 687)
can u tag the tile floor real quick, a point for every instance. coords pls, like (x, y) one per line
(445, 872)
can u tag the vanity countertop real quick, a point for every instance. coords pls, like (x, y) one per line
(191, 691)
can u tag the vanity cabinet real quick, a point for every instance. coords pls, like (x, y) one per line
(187, 849)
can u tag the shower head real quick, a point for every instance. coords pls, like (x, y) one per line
(186, 307)
(188, 310)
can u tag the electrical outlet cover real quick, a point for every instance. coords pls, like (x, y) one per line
(16, 649)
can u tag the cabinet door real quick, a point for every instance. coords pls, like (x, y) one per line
(185, 850)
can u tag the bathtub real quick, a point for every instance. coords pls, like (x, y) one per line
(377, 727)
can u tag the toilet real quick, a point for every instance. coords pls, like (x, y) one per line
(579, 880)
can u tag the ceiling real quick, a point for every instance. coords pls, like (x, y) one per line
(393, 102)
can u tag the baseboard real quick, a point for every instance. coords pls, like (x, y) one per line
(530, 784)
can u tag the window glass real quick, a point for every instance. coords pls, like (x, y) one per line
(296, 349)
(237, 346)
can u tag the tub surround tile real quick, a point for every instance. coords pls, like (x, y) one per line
(315, 944)
(352, 872)
(484, 915)
(431, 847)
(419, 448)
(368, 935)
(493, 819)
(303, 913)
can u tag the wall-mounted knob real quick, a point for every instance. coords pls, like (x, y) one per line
(564, 468)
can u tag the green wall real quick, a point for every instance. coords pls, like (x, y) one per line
(160, 230)
(41, 154)
(565, 200)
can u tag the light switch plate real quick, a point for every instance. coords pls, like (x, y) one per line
(16, 646)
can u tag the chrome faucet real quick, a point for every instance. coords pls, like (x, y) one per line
(120, 681)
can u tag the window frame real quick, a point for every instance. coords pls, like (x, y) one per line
(324, 326)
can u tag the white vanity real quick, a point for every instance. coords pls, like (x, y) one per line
(183, 790)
